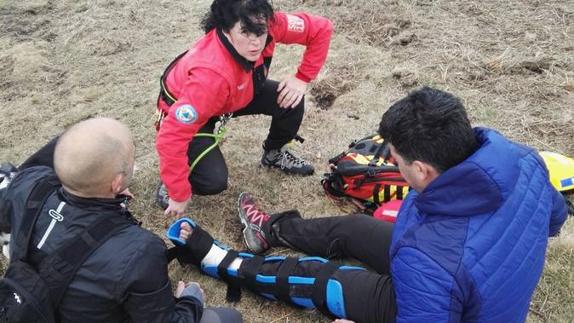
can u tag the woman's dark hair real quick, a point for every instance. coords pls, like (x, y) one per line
(431, 126)
(253, 15)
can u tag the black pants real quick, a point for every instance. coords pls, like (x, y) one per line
(220, 315)
(369, 296)
(210, 174)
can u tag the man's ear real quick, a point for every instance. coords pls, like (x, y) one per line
(118, 183)
(420, 170)
(425, 172)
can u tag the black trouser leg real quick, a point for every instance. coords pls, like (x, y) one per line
(285, 122)
(209, 176)
(43, 157)
(369, 297)
(220, 315)
(352, 236)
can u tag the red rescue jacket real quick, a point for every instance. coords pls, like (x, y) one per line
(212, 79)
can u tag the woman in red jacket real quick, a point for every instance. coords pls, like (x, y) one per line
(224, 74)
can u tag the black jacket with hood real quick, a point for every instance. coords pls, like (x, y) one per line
(124, 280)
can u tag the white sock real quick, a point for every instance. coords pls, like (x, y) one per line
(216, 255)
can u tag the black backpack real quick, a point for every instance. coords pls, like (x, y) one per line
(31, 293)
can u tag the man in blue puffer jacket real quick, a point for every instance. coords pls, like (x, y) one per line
(468, 246)
(469, 243)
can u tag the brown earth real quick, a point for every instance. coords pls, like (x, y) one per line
(512, 62)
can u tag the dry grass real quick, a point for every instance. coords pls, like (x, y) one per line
(511, 61)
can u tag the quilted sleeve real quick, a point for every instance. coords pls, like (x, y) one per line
(559, 213)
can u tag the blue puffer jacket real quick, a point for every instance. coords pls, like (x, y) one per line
(471, 246)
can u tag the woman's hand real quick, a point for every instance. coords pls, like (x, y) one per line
(291, 91)
(175, 208)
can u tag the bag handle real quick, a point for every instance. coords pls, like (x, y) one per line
(382, 150)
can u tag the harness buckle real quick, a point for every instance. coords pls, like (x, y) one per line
(223, 119)
(159, 116)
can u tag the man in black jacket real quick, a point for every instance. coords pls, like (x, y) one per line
(126, 278)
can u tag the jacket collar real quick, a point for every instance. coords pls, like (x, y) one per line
(117, 204)
(244, 63)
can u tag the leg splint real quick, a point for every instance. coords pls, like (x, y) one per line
(308, 282)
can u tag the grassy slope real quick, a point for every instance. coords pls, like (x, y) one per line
(512, 63)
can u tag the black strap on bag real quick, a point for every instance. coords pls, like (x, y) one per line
(386, 193)
(58, 268)
(376, 197)
(164, 92)
(34, 203)
(381, 150)
(399, 191)
(24, 295)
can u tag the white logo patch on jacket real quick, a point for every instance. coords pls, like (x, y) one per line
(186, 114)
(295, 24)
(240, 87)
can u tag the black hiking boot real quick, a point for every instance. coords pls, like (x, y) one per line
(161, 197)
(286, 161)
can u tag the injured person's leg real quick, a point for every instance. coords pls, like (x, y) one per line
(308, 282)
(349, 236)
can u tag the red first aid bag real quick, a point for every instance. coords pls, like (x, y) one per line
(388, 211)
(365, 175)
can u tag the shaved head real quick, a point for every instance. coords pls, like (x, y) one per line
(92, 154)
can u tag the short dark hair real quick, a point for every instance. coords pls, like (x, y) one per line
(431, 126)
(253, 15)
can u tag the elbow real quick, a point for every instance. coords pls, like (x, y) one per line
(329, 27)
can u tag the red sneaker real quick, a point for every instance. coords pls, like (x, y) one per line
(253, 220)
